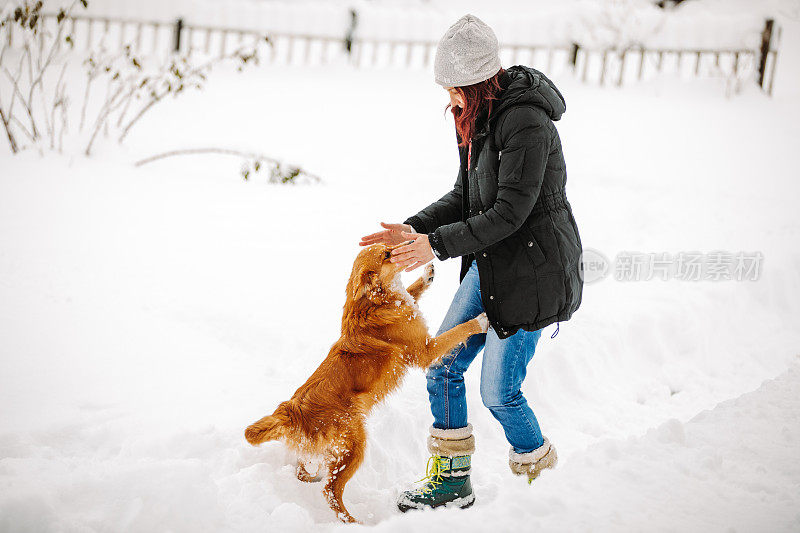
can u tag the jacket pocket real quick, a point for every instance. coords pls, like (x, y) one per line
(532, 247)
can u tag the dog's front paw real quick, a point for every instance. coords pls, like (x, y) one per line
(428, 274)
(483, 322)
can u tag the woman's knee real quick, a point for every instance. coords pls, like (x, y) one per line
(494, 395)
(466, 303)
(491, 395)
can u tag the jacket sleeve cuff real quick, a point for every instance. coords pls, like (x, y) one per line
(437, 245)
(415, 223)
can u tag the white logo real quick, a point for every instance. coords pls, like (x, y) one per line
(594, 265)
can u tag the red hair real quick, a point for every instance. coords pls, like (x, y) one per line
(476, 97)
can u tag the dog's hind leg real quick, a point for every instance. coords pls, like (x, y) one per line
(303, 475)
(444, 343)
(418, 287)
(343, 464)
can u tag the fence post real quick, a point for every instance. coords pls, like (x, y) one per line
(89, 24)
(603, 67)
(156, 28)
(122, 25)
(766, 44)
(350, 35)
(223, 43)
(307, 51)
(586, 57)
(573, 56)
(177, 35)
(774, 62)
(139, 38)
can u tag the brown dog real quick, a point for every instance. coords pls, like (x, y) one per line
(383, 334)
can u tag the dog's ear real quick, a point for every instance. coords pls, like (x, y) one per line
(366, 283)
(365, 278)
(371, 286)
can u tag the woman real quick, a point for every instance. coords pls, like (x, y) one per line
(509, 220)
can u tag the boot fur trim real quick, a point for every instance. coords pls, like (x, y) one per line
(532, 463)
(530, 457)
(451, 434)
(451, 448)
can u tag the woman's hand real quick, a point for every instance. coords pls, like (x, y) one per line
(393, 234)
(414, 254)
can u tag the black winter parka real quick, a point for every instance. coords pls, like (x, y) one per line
(509, 211)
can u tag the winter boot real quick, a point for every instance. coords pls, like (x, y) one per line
(532, 463)
(447, 479)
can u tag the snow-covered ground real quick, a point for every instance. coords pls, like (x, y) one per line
(147, 315)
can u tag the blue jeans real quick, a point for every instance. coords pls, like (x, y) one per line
(502, 373)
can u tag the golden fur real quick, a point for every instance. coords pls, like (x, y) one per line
(383, 334)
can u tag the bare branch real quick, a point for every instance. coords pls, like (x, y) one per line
(58, 100)
(11, 140)
(89, 80)
(136, 117)
(53, 48)
(226, 151)
(18, 92)
(21, 126)
(102, 118)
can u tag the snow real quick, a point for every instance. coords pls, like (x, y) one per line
(148, 315)
(720, 471)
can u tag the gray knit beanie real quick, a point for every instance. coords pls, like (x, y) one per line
(467, 53)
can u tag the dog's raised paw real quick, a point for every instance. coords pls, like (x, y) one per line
(429, 272)
(483, 321)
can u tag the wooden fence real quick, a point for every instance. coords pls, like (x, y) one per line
(603, 66)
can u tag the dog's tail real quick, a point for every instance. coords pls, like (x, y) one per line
(270, 427)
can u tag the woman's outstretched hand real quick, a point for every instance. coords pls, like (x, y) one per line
(414, 254)
(393, 234)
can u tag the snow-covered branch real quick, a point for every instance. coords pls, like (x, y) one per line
(279, 172)
(120, 87)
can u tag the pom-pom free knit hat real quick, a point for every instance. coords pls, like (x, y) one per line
(467, 53)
